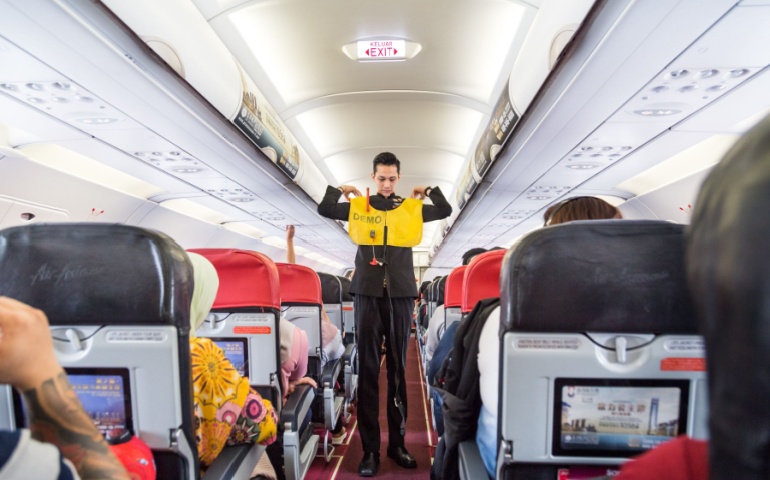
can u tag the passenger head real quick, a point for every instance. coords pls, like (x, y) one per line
(467, 256)
(386, 173)
(728, 270)
(580, 208)
(206, 284)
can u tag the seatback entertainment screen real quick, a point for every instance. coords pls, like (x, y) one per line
(105, 394)
(616, 418)
(236, 350)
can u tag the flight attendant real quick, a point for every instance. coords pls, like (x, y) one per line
(386, 227)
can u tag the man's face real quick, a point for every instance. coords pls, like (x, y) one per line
(386, 177)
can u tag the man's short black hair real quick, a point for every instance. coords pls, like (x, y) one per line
(467, 256)
(387, 159)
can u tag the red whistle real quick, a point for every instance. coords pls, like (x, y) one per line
(373, 262)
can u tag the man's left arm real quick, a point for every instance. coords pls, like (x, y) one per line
(440, 208)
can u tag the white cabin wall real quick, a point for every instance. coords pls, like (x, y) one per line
(27, 186)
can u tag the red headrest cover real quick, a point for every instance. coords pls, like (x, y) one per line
(453, 295)
(246, 278)
(299, 284)
(482, 278)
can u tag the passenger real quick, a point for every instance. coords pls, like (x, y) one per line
(294, 358)
(384, 290)
(227, 410)
(580, 208)
(331, 339)
(728, 273)
(62, 440)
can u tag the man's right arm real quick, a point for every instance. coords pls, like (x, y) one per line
(330, 208)
(53, 409)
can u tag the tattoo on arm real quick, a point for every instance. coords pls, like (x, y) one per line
(56, 416)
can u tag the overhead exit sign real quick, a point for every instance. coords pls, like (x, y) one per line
(382, 49)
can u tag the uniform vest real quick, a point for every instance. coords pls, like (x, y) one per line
(368, 228)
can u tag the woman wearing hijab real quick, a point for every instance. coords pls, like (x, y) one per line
(227, 410)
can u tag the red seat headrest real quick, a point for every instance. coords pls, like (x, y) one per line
(246, 278)
(482, 278)
(299, 284)
(453, 296)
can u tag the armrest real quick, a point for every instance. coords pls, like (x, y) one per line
(330, 373)
(470, 463)
(235, 462)
(296, 407)
(350, 351)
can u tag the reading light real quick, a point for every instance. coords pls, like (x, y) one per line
(657, 112)
(96, 120)
(187, 169)
(582, 166)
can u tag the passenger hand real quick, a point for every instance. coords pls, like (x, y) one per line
(289, 232)
(301, 381)
(348, 189)
(420, 192)
(26, 346)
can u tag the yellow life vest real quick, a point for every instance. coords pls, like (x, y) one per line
(368, 228)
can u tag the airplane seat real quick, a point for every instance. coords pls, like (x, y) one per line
(301, 301)
(453, 297)
(245, 322)
(350, 359)
(598, 349)
(348, 312)
(458, 391)
(432, 304)
(481, 279)
(439, 292)
(118, 301)
(331, 293)
(432, 298)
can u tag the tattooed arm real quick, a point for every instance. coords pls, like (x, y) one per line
(54, 411)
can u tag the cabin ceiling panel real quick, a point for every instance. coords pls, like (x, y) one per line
(736, 41)
(418, 162)
(32, 125)
(308, 61)
(342, 127)
(32, 182)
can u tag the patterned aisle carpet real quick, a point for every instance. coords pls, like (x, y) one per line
(420, 438)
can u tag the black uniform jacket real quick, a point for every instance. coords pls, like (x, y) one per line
(398, 266)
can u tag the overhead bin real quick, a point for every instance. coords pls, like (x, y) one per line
(551, 30)
(207, 65)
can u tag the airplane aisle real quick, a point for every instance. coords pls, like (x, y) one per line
(420, 439)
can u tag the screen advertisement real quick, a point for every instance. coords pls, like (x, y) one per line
(617, 418)
(105, 396)
(236, 351)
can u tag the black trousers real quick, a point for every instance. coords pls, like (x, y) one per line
(373, 316)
